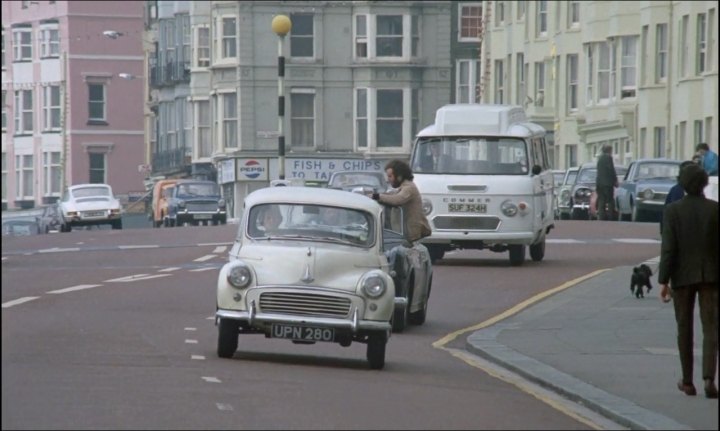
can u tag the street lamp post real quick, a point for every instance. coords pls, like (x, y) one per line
(281, 25)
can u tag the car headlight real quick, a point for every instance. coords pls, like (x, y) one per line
(239, 276)
(374, 286)
(181, 204)
(222, 203)
(565, 195)
(648, 194)
(509, 208)
(427, 206)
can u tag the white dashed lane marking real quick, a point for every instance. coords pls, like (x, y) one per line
(636, 240)
(130, 247)
(222, 406)
(203, 244)
(212, 379)
(191, 329)
(18, 301)
(220, 249)
(202, 269)
(135, 277)
(58, 250)
(190, 341)
(197, 357)
(204, 258)
(74, 288)
(172, 268)
(562, 241)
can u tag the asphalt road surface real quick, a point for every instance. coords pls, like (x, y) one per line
(114, 329)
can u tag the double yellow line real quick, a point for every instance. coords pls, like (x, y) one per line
(441, 343)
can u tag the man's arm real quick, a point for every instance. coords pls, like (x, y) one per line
(668, 246)
(400, 198)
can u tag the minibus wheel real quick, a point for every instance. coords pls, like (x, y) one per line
(537, 251)
(517, 254)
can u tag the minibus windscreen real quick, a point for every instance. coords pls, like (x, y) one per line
(462, 155)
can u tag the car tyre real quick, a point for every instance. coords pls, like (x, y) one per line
(517, 254)
(418, 317)
(637, 214)
(65, 227)
(436, 252)
(376, 350)
(537, 251)
(117, 224)
(227, 338)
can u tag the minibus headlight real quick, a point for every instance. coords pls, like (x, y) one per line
(427, 206)
(509, 208)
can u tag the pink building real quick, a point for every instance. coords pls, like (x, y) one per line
(70, 115)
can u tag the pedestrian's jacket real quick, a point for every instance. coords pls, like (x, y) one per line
(689, 250)
(606, 176)
(408, 197)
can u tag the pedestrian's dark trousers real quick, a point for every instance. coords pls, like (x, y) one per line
(684, 303)
(605, 199)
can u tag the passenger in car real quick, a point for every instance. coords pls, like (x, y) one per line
(270, 218)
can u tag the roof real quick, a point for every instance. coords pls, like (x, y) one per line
(79, 186)
(312, 195)
(659, 160)
(475, 119)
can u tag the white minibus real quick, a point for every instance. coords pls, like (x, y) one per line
(486, 181)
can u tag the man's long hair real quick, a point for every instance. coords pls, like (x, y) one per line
(400, 169)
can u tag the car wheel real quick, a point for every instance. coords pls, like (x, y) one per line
(227, 338)
(376, 350)
(517, 254)
(537, 251)
(418, 317)
(636, 214)
(65, 227)
(117, 224)
(400, 316)
(436, 252)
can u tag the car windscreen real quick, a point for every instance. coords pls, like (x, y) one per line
(310, 222)
(588, 175)
(347, 180)
(85, 192)
(558, 177)
(570, 179)
(470, 156)
(197, 189)
(19, 228)
(647, 171)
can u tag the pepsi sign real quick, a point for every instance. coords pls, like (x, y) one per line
(252, 169)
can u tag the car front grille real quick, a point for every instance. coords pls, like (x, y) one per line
(202, 206)
(305, 304)
(466, 223)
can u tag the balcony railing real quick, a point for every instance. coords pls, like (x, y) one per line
(170, 160)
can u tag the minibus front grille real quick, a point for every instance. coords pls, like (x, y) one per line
(466, 223)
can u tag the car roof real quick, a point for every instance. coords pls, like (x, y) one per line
(81, 186)
(658, 160)
(312, 195)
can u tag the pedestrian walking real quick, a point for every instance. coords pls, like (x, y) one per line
(689, 264)
(605, 184)
(709, 160)
(400, 177)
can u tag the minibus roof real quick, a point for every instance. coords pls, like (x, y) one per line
(471, 119)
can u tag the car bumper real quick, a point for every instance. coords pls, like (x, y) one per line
(581, 206)
(91, 221)
(651, 206)
(183, 217)
(254, 319)
(445, 237)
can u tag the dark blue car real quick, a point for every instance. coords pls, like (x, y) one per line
(641, 195)
(196, 202)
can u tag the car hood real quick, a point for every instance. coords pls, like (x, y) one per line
(280, 262)
(590, 186)
(657, 184)
(199, 198)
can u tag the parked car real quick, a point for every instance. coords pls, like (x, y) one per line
(194, 202)
(159, 206)
(51, 219)
(584, 187)
(89, 205)
(558, 176)
(320, 265)
(348, 180)
(20, 226)
(564, 193)
(642, 193)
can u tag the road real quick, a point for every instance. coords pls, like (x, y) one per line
(114, 329)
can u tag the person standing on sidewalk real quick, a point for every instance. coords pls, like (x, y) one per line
(709, 159)
(605, 184)
(689, 261)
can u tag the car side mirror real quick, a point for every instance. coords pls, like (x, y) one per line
(536, 169)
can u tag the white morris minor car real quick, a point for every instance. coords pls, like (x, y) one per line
(311, 265)
(89, 205)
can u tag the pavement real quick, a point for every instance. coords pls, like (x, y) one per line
(598, 345)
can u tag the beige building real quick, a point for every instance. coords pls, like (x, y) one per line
(639, 75)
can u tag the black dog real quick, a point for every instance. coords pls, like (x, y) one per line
(640, 277)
